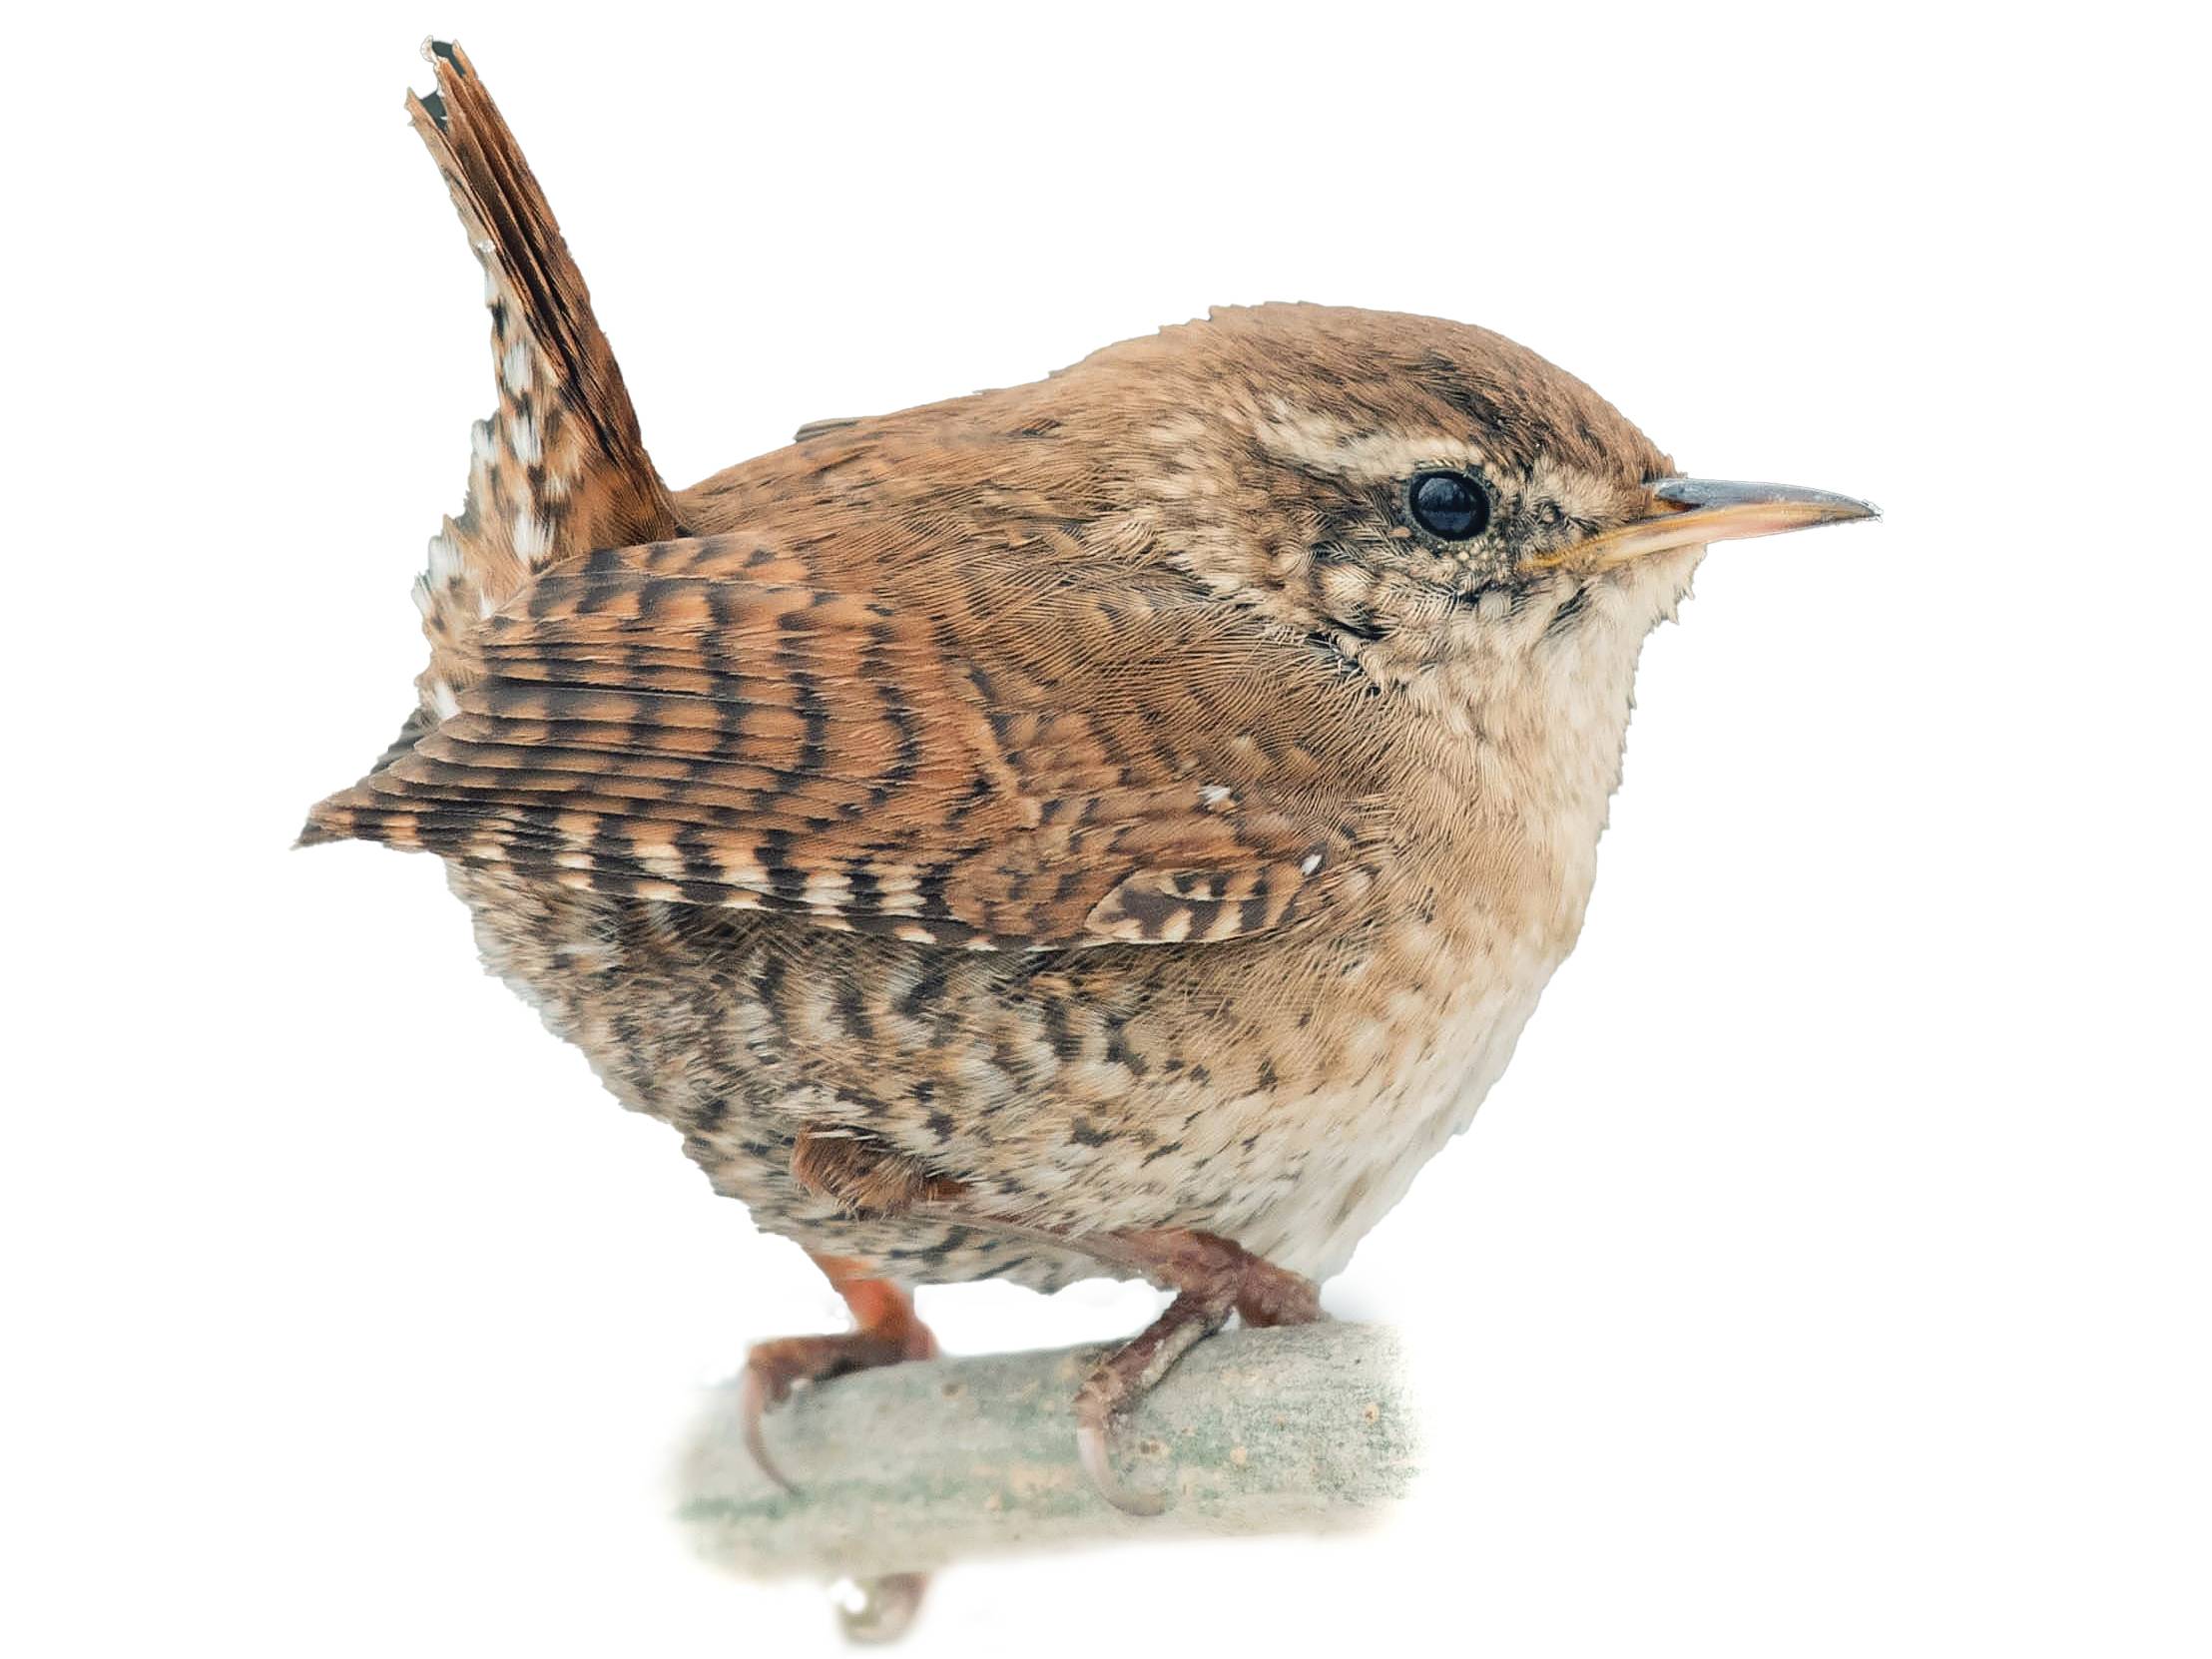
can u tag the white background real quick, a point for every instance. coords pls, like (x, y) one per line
(1827, 1275)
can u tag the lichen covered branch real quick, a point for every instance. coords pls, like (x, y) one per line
(1296, 1429)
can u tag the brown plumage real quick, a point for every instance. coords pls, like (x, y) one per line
(1109, 823)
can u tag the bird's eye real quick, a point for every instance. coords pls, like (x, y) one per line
(1449, 505)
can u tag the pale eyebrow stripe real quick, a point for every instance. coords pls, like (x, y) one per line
(1323, 443)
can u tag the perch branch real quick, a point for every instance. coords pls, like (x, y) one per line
(908, 1467)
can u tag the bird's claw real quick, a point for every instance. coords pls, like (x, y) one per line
(774, 1369)
(1213, 1278)
(1095, 1418)
(756, 1393)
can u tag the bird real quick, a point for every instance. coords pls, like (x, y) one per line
(1114, 825)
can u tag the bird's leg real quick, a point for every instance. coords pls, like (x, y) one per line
(1212, 1278)
(868, 1179)
(886, 1330)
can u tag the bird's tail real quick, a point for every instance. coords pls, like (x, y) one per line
(559, 468)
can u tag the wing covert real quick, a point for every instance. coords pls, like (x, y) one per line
(705, 720)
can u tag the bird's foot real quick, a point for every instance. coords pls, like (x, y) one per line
(887, 1331)
(1212, 1278)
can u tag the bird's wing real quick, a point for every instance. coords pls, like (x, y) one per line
(1010, 755)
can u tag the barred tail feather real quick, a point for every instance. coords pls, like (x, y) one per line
(560, 467)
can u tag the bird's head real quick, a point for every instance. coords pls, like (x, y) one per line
(1414, 488)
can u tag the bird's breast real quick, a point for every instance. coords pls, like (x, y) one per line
(1419, 1030)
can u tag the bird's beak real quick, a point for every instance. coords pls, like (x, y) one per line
(1690, 512)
